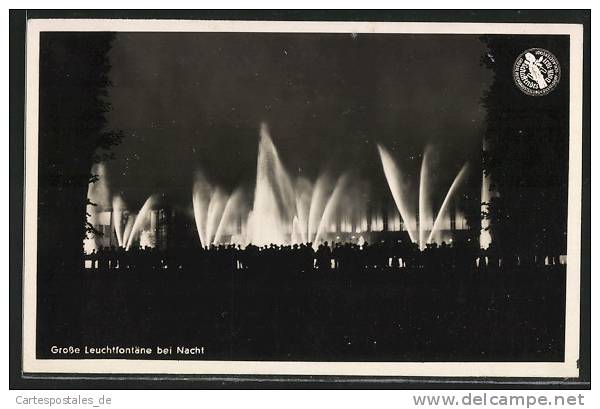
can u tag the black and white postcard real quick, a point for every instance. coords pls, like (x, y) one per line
(303, 198)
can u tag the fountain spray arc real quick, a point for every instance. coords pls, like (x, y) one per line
(213, 209)
(444, 208)
(399, 188)
(140, 220)
(332, 204)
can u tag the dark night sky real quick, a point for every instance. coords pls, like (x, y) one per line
(186, 100)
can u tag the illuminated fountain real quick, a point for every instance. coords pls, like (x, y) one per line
(285, 210)
(400, 189)
(119, 208)
(128, 228)
(288, 209)
(214, 210)
(429, 228)
(111, 215)
(304, 196)
(229, 216)
(443, 213)
(140, 221)
(330, 207)
(273, 210)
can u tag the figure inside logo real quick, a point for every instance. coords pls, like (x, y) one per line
(535, 70)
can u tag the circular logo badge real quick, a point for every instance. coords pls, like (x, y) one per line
(536, 71)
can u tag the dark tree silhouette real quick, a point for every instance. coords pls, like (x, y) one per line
(72, 136)
(73, 86)
(527, 151)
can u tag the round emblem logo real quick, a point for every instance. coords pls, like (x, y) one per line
(536, 71)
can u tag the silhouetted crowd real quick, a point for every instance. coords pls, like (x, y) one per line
(303, 257)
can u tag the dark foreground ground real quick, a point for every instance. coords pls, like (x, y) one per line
(368, 315)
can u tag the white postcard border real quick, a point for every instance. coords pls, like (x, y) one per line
(567, 368)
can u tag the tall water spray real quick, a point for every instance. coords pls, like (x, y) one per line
(400, 190)
(212, 205)
(214, 214)
(296, 237)
(274, 204)
(201, 193)
(304, 194)
(128, 228)
(118, 207)
(323, 189)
